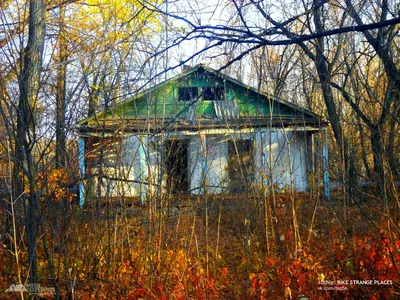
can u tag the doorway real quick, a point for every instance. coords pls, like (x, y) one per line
(176, 164)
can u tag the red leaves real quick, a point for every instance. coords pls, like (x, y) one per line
(200, 293)
(183, 271)
(283, 275)
(225, 271)
(258, 286)
(397, 244)
(158, 290)
(138, 293)
(270, 262)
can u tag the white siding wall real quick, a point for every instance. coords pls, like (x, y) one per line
(130, 164)
(153, 154)
(283, 159)
(217, 164)
(196, 164)
(280, 158)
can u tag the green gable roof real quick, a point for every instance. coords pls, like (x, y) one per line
(241, 104)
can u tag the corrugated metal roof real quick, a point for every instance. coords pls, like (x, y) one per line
(226, 110)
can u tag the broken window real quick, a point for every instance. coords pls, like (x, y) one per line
(188, 93)
(214, 93)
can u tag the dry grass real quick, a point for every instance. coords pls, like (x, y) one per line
(222, 250)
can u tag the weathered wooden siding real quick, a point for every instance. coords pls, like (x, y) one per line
(282, 159)
(162, 101)
(280, 162)
(196, 164)
(217, 164)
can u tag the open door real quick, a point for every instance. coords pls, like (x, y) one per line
(240, 165)
(176, 158)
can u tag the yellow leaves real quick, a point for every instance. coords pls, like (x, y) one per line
(26, 186)
(51, 184)
(98, 25)
(114, 16)
(42, 264)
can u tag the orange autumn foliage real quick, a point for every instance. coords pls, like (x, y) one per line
(126, 262)
(51, 185)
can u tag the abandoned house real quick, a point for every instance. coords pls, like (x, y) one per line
(198, 132)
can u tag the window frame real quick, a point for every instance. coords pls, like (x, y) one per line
(186, 93)
(214, 93)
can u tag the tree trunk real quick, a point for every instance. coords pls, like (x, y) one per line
(25, 139)
(325, 82)
(393, 162)
(378, 155)
(60, 155)
(363, 150)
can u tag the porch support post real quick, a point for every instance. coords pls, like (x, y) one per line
(203, 141)
(81, 157)
(143, 168)
(263, 161)
(310, 141)
(325, 163)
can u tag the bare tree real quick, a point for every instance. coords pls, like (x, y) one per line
(26, 126)
(318, 28)
(60, 155)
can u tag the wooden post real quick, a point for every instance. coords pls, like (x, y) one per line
(143, 168)
(325, 163)
(81, 155)
(310, 160)
(264, 162)
(203, 141)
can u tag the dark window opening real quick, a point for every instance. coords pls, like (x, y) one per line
(177, 166)
(240, 165)
(188, 93)
(214, 93)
